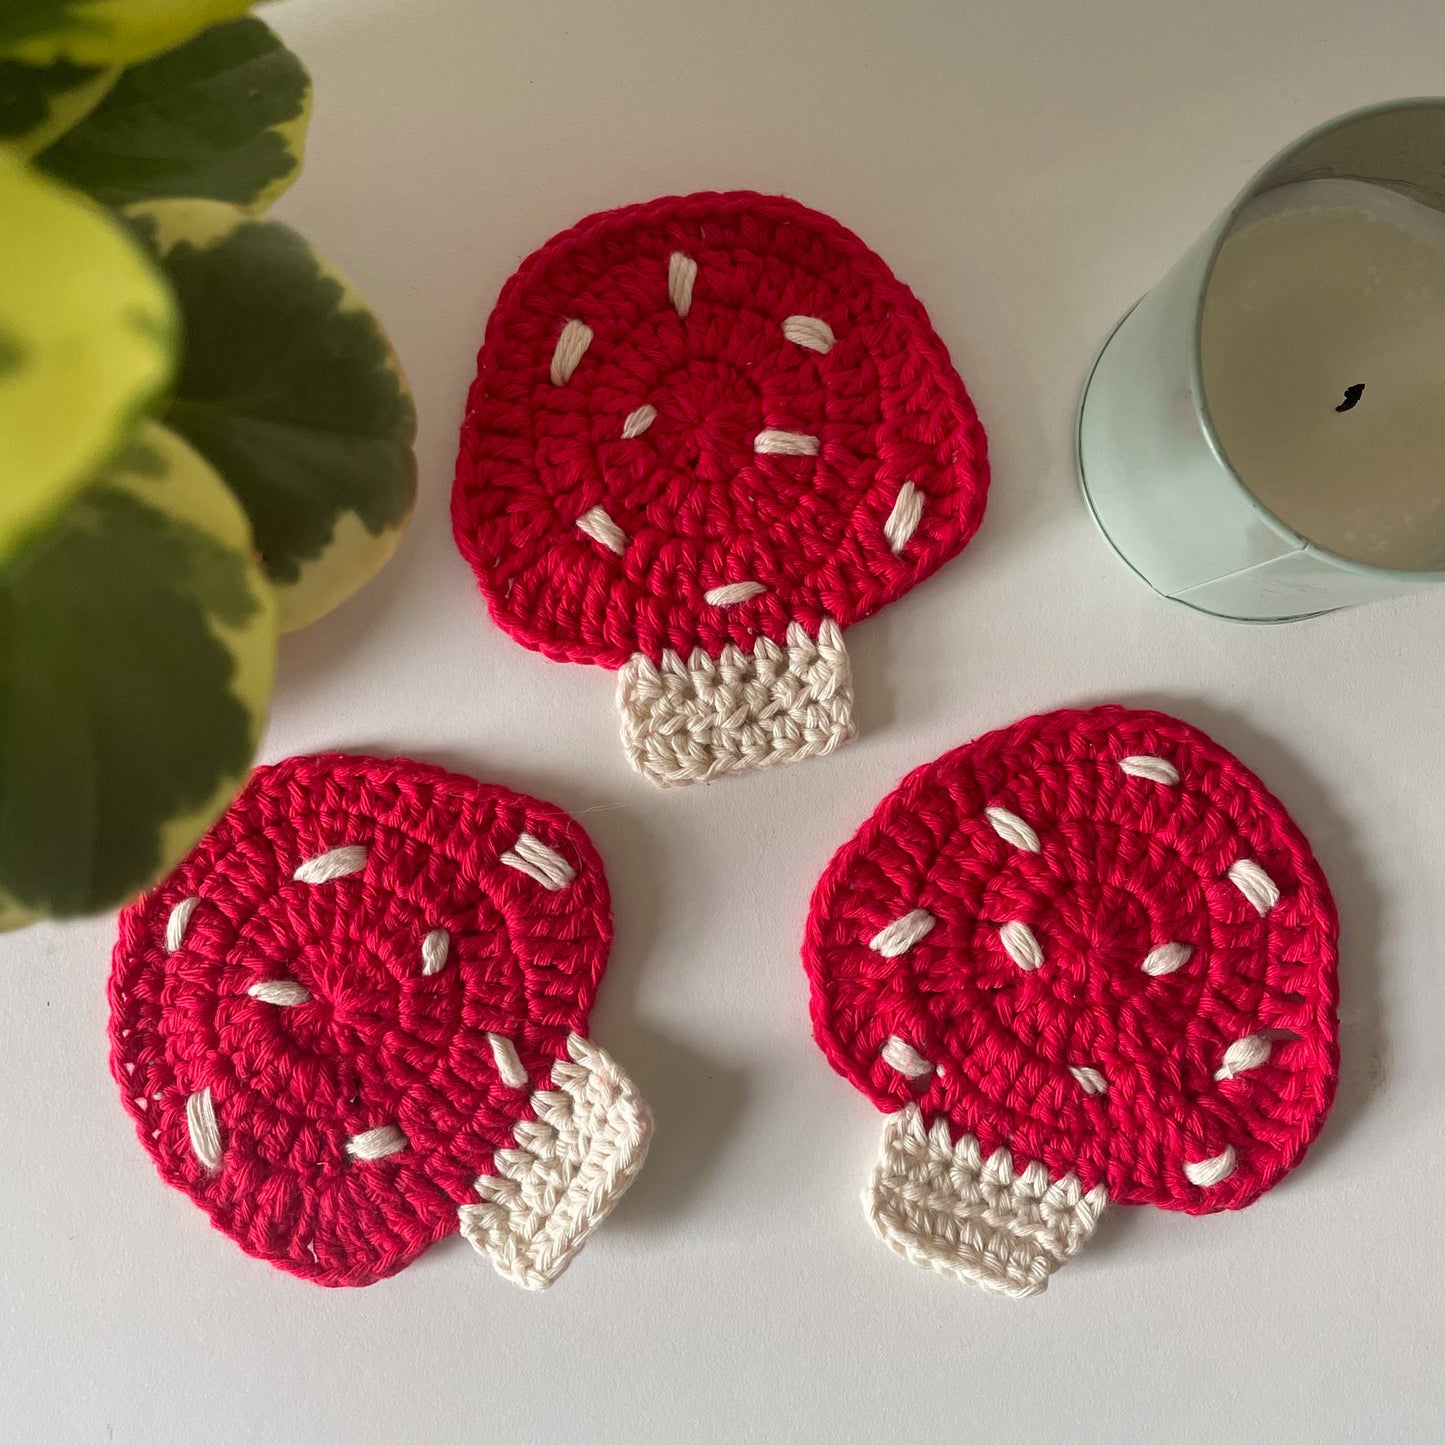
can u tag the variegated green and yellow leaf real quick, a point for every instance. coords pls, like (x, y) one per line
(88, 341)
(222, 116)
(13, 916)
(105, 32)
(291, 390)
(39, 103)
(137, 647)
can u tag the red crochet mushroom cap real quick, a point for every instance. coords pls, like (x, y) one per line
(698, 504)
(701, 427)
(332, 1016)
(1093, 940)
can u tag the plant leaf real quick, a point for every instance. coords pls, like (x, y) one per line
(137, 645)
(222, 116)
(292, 392)
(39, 103)
(105, 32)
(88, 341)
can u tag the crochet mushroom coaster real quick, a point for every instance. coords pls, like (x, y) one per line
(1085, 958)
(354, 1020)
(706, 435)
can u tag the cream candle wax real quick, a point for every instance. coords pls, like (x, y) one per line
(1324, 366)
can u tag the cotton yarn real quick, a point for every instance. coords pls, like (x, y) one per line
(1086, 958)
(706, 434)
(353, 1021)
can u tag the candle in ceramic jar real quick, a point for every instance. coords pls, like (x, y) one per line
(1323, 351)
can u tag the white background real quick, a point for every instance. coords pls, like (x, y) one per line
(1028, 166)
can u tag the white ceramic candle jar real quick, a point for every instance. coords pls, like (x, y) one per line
(1263, 435)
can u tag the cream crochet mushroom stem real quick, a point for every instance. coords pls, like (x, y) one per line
(995, 1221)
(691, 719)
(570, 1165)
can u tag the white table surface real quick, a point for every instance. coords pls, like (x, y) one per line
(1028, 167)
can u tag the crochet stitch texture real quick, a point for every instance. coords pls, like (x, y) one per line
(354, 1019)
(1085, 958)
(706, 434)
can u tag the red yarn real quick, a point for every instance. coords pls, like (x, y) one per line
(1124, 864)
(378, 1042)
(699, 509)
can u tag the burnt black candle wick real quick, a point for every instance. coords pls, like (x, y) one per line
(1352, 395)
